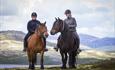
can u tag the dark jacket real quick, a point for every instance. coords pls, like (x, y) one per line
(71, 23)
(32, 25)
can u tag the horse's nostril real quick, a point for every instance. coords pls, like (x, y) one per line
(51, 32)
(47, 35)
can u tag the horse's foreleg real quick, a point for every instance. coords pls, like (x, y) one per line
(63, 60)
(29, 59)
(42, 60)
(66, 57)
(72, 59)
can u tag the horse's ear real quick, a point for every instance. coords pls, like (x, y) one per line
(45, 23)
(58, 18)
(55, 18)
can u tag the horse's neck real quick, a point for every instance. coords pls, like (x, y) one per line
(37, 35)
(65, 31)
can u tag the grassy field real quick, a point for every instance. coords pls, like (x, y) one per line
(103, 65)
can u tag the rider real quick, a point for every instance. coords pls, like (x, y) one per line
(71, 21)
(32, 25)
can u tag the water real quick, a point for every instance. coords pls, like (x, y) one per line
(2, 66)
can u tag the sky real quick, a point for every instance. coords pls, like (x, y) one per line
(94, 17)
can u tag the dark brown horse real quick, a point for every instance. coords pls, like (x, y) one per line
(36, 45)
(66, 44)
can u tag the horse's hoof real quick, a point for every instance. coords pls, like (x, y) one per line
(63, 67)
(31, 69)
(41, 67)
(72, 67)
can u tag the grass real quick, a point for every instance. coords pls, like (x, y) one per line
(103, 65)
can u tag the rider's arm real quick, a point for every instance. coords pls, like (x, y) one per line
(29, 27)
(74, 24)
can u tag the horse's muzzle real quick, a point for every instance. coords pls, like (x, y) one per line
(46, 34)
(52, 32)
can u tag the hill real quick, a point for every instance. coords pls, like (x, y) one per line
(12, 35)
(87, 40)
(107, 41)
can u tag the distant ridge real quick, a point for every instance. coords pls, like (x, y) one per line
(87, 40)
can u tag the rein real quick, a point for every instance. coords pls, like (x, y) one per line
(63, 27)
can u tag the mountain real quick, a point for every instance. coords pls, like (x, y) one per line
(103, 42)
(16, 35)
(11, 50)
(12, 35)
(87, 39)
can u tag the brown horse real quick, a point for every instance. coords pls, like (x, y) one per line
(36, 45)
(67, 43)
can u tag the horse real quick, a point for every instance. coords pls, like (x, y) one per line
(66, 43)
(36, 45)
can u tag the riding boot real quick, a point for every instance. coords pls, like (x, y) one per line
(58, 44)
(77, 39)
(25, 46)
(25, 42)
(45, 44)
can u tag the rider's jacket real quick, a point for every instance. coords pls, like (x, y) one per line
(32, 25)
(71, 23)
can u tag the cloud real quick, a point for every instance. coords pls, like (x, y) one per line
(91, 15)
(7, 8)
(98, 31)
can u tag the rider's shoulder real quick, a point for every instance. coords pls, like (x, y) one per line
(29, 21)
(38, 21)
(73, 18)
(65, 19)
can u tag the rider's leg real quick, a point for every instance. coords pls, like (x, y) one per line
(77, 40)
(25, 42)
(45, 43)
(58, 41)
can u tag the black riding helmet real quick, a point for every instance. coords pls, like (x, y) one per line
(68, 11)
(34, 14)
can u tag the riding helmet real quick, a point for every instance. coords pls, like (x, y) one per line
(34, 14)
(68, 11)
